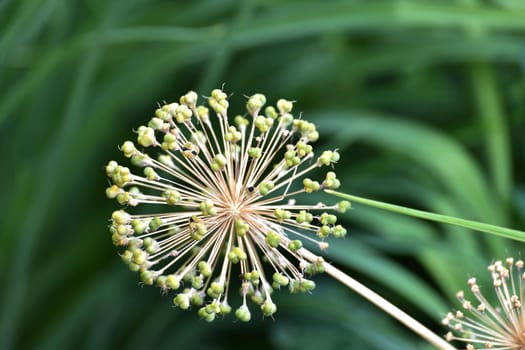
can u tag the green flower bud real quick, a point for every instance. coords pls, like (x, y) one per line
(190, 99)
(139, 226)
(310, 186)
(172, 196)
(255, 103)
(155, 223)
(307, 285)
(295, 245)
(324, 231)
(303, 149)
(182, 300)
(265, 187)
(126, 256)
(331, 180)
(219, 162)
(304, 217)
(161, 282)
(218, 94)
(273, 239)
(196, 282)
(232, 135)
(255, 152)
(225, 308)
(139, 256)
(207, 208)
(204, 268)
(236, 255)
(282, 215)
(315, 268)
(150, 174)
(243, 313)
(284, 106)
(241, 227)
(156, 123)
(328, 157)
(213, 308)
(128, 148)
(262, 123)
(342, 206)
(120, 217)
(215, 290)
(196, 299)
(257, 297)
(113, 191)
(291, 158)
(197, 228)
(202, 113)
(140, 160)
(133, 267)
(162, 114)
(172, 282)
(147, 277)
(271, 112)
(146, 136)
(280, 279)
(268, 308)
(183, 114)
(253, 276)
(169, 142)
(241, 122)
(339, 231)
(121, 176)
(328, 219)
(150, 245)
(205, 315)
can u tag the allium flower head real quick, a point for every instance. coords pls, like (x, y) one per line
(216, 203)
(500, 325)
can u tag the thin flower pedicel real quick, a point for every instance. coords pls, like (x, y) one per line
(492, 326)
(218, 203)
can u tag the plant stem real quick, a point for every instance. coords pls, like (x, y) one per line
(470, 224)
(382, 303)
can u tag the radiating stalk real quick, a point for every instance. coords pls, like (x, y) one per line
(383, 304)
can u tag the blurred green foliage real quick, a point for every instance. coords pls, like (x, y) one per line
(424, 99)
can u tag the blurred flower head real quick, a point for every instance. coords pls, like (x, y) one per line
(499, 325)
(216, 202)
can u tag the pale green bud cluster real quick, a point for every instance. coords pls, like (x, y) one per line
(219, 201)
(146, 136)
(207, 208)
(266, 187)
(241, 227)
(255, 103)
(233, 135)
(236, 254)
(273, 239)
(329, 226)
(218, 101)
(328, 158)
(219, 162)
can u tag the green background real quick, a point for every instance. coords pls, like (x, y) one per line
(424, 99)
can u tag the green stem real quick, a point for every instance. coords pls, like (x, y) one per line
(473, 225)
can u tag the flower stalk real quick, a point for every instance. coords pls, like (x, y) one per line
(470, 224)
(411, 323)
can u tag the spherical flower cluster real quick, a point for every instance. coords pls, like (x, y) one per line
(494, 326)
(217, 202)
